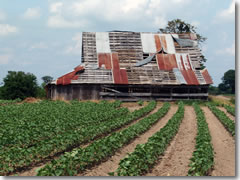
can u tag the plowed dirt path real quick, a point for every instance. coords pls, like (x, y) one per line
(175, 161)
(112, 164)
(223, 145)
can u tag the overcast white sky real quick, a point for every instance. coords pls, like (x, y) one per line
(44, 36)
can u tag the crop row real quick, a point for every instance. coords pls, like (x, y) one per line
(145, 155)
(7, 102)
(79, 159)
(25, 125)
(230, 109)
(203, 157)
(224, 119)
(18, 158)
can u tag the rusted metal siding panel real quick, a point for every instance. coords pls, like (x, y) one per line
(166, 61)
(116, 68)
(104, 58)
(186, 70)
(124, 77)
(67, 78)
(164, 43)
(172, 60)
(148, 43)
(207, 77)
(102, 42)
(160, 60)
(179, 76)
(158, 42)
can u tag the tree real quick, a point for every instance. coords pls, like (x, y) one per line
(19, 85)
(47, 79)
(228, 82)
(178, 26)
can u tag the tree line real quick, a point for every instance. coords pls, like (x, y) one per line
(18, 84)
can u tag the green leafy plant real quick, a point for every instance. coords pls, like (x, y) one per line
(140, 103)
(224, 119)
(203, 157)
(82, 158)
(145, 155)
(230, 109)
(31, 133)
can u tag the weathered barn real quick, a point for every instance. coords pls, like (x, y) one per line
(132, 66)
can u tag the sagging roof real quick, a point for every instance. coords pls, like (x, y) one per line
(123, 57)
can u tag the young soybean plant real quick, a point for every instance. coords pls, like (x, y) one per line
(203, 157)
(145, 155)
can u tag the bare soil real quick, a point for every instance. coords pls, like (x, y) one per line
(112, 163)
(132, 106)
(223, 144)
(176, 159)
(31, 100)
(228, 114)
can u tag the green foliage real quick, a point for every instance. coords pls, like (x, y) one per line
(230, 109)
(31, 133)
(8, 102)
(47, 79)
(228, 82)
(203, 157)
(140, 103)
(145, 155)
(191, 102)
(19, 85)
(41, 93)
(224, 119)
(213, 90)
(81, 158)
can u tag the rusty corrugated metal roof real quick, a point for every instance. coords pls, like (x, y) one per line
(139, 58)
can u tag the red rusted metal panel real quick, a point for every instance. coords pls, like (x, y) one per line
(189, 75)
(66, 79)
(119, 75)
(166, 61)
(158, 43)
(173, 62)
(160, 60)
(104, 58)
(207, 77)
(164, 42)
(124, 77)
(116, 68)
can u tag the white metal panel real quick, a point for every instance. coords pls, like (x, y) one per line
(170, 44)
(185, 61)
(190, 61)
(179, 63)
(102, 42)
(175, 35)
(179, 76)
(148, 43)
